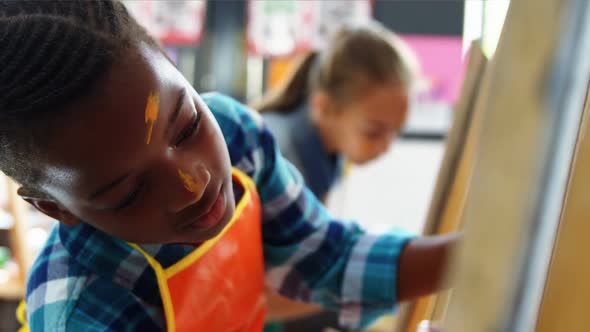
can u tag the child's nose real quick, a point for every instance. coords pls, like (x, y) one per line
(190, 184)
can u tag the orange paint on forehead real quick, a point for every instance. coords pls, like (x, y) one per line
(191, 184)
(151, 114)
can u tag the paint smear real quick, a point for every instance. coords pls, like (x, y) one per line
(191, 184)
(151, 114)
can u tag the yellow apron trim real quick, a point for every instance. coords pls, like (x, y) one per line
(163, 284)
(346, 168)
(21, 316)
(163, 274)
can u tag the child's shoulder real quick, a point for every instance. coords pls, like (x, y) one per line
(242, 127)
(74, 283)
(52, 264)
(228, 110)
(54, 283)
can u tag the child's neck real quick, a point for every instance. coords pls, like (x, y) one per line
(238, 191)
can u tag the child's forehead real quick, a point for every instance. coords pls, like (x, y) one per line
(125, 90)
(106, 130)
(140, 70)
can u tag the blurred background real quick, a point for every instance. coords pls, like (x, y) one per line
(246, 48)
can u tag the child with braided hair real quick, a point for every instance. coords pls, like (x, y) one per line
(173, 207)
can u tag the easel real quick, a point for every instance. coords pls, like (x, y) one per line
(515, 198)
(450, 190)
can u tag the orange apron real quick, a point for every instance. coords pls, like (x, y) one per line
(219, 286)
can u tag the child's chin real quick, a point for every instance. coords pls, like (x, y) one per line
(208, 234)
(196, 235)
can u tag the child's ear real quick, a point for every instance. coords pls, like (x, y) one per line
(321, 105)
(49, 208)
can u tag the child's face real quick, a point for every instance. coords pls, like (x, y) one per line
(371, 121)
(101, 169)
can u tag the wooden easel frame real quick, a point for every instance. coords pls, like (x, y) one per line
(564, 303)
(449, 193)
(531, 107)
(523, 157)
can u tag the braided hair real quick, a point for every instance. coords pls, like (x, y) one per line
(51, 53)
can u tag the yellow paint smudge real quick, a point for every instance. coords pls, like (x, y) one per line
(191, 184)
(151, 114)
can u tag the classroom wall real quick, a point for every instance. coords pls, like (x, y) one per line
(219, 61)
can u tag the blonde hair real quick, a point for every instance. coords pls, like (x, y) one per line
(355, 57)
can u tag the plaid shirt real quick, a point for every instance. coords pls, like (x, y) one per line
(85, 280)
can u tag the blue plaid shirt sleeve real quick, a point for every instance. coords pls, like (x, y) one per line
(309, 255)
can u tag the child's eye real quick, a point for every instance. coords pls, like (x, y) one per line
(128, 201)
(191, 129)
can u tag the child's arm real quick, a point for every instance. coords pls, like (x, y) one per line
(309, 255)
(422, 265)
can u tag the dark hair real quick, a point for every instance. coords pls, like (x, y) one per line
(354, 57)
(51, 53)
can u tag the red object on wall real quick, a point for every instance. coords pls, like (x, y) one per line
(288, 27)
(178, 23)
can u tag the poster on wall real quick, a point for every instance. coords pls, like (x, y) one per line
(276, 28)
(288, 27)
(330, 15)
(439, 81)
(178, 23)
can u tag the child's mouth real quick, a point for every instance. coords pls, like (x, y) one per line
(211, 217)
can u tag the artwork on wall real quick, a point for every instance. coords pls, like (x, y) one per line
(288, 27)
(178, 23)
(438, 83)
